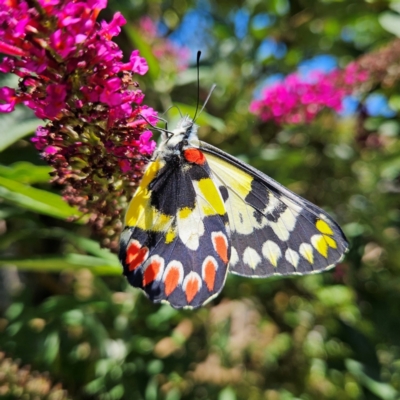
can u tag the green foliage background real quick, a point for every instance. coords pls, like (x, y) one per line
(66, 309)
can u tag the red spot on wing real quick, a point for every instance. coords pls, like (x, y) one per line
(171, 280)
(209, 273)
(192, 286)
(194, 156)
(221, 246)
(135, 255)
(152, 270)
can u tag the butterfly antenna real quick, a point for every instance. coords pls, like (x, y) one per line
(198, 84)
(163, 120)
(174, 106)
(155, 127)
(208, 98)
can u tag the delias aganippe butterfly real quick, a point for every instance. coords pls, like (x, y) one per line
(200, 213)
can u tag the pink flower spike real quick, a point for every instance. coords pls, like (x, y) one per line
(55, 100)
(109, 95)
(80, 38)
(11, 50)
(48, 3)
(50, 150)
(146, 146)
(8, 96)
(138, 64)
(114, 27)
(41, 131)
(96, 6)
(63, 44)
(125, 165)
(149, 114)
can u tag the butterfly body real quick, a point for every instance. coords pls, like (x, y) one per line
(200, 213)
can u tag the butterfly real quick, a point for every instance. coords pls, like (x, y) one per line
(199, 213)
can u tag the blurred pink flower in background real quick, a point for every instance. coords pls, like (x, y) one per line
(175, 58)
(298, 99)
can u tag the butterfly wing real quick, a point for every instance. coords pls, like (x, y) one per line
(272, 230)
(175, 244)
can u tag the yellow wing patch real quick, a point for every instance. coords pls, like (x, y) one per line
(140, 212)
(241, 184)
(323, 227)
(323, 242)
(213, 203)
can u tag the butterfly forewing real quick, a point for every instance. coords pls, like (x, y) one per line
(272, 230)
(175, 245)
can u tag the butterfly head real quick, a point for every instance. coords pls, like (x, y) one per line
(174, 141)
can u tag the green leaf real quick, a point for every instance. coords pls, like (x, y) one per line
(18, 131)
(145, 51)
(381, 390)
(92, 247)
(390, 22)
(98, 266)
(203, 119)
(37, 200)
(26, 172)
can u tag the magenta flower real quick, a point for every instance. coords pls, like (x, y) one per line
(139, 64)
(299, 99)
(8, 96)
(72, 75)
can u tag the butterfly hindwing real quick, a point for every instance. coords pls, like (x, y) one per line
(272, 230)
(175, 245)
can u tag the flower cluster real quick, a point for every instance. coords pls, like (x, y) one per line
(20, 381)
(298, 99)
(73, 75)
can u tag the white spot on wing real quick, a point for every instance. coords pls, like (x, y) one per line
(251, 258)
(234, 257)
(271, 252)
(292, 257)
(285, 224)
(125, 236)
(191, 228)
(240, 216)
(273, 203)
(306, 251)
(292, 205)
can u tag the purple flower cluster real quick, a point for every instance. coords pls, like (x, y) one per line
(73, 75)
(297, 99)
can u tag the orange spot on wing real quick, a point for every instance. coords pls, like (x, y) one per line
(135, 255)
(194, 156)
(209, 274)
(171, 280)
(221, 247)
(191, 289)
(151, 272)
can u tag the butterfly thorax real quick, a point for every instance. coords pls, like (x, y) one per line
(175, 142)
